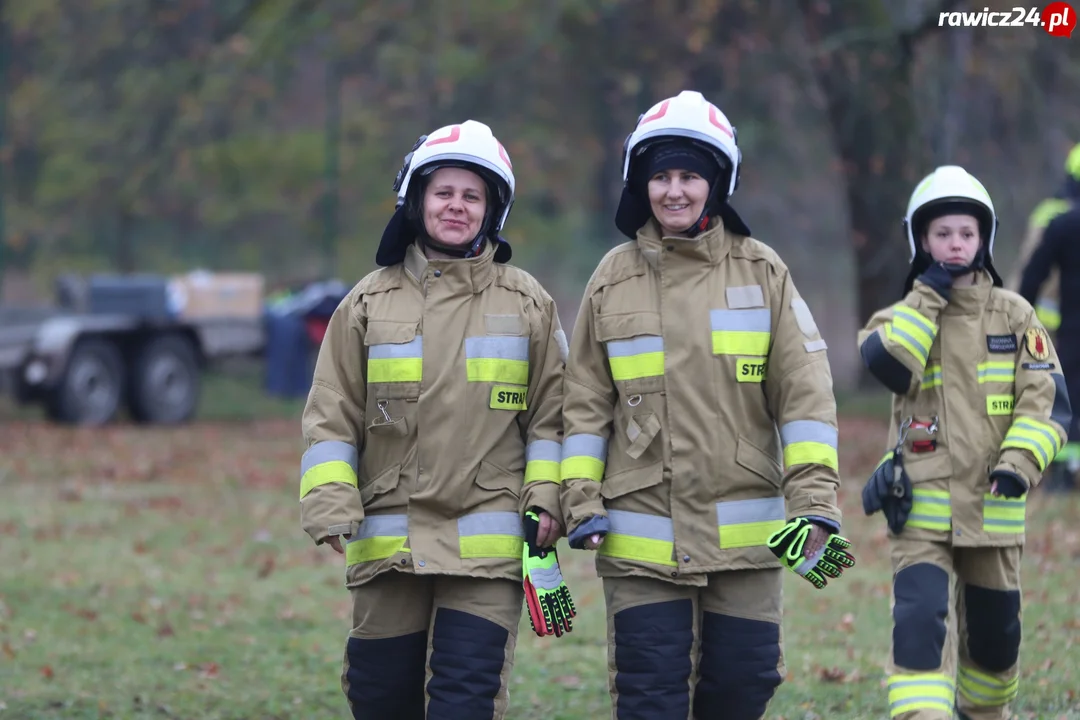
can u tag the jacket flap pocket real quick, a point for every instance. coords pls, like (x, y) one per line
(389, 332)
(632, 480)
(923, 467)
(757, 461)
(381, 484)
(619, 326)
(493, 477)
(641, 430)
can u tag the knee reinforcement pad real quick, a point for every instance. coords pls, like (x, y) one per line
(921, 594)
(384, 678)
(993, 627)
(652, 660)
(467, 658)
(738, 671)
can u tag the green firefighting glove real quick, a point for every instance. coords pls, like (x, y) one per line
(830, 561)
(546, 594)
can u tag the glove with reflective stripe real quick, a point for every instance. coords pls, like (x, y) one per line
(789, 543)
(546, 594)
(889, 490)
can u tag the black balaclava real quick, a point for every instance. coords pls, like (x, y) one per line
(681, 155)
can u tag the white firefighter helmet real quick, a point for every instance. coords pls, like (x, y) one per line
(687, 115)
(470, 145)
(950, 189)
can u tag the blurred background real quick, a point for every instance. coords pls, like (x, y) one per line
(262, 136)
(188, 188)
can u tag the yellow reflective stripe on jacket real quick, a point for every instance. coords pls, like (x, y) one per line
(1003, 515)
(542, 461)
(996, 371)
(638, 357)
(490, 535)
(913, 331)
(921, 691)
(492, 358)
(379, 537)
(809, 442)
(748, 523)
(326, 462)
(983, 690)
(584, 456)
(741, 332)
(931, 377)
(1035, 436)
(640, 537)
(1049, 314)
(396, 362)
(930, 510)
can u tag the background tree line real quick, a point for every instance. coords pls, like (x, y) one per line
(265, 134)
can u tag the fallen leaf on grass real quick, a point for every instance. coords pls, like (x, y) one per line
(265, 567)
(47, 672)
(165, 630)
(838, 675)
(570, 681)
(209, 670)
(8, 651)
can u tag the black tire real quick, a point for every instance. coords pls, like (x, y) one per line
(165, 381)
(92, 388)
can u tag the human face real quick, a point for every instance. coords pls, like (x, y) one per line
(454, 204)
(952, 239)
(677, 198)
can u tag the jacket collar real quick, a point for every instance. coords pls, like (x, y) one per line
(456, 276)
(971, 300)
(710, 247)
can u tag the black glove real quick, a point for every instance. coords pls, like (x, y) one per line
(939, 277)
(1009, 484)
(889, 490)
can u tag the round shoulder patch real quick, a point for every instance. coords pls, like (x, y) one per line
(1037, 343)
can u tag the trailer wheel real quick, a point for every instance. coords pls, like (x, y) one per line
(91, 389)
(165, 381)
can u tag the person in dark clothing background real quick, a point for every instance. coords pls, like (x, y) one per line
(1060, 249)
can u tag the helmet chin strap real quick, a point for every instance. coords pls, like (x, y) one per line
(702, 223)
(458, 251)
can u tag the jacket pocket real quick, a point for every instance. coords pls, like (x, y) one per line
(495, 479)
(758, 462)
(631, 480)
(381, 484)
(395, 359)
(931, 507)
(634, 344)
(640, 431)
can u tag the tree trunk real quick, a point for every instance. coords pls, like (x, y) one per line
(869, 101)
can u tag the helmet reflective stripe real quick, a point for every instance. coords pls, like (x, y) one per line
(473, 143)
(1072, 162)
(949, 183)
(688, 115)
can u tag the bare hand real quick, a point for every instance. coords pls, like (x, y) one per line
(815, 540)
(594, 541)
(549, 532)
(334, 541)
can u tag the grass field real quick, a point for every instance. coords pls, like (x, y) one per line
(162, 574)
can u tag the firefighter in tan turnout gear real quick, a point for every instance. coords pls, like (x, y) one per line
(695, 368)
(979, 411)
(434, 428)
